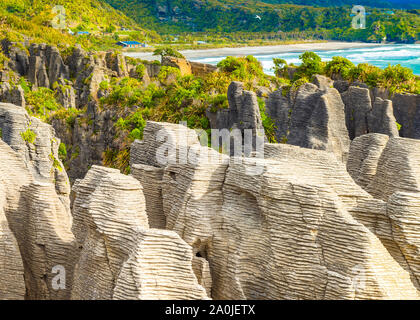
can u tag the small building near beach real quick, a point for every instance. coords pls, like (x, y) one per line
(131, 44)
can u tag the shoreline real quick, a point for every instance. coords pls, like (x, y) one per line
(261, 50)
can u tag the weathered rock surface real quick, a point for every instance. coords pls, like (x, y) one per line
(243, 114)
(313, 119)
(364, 155)
(18, 57)
(183, 65)
(41, 225)
(120, 257)
(358, 105)
(46, 242)
(381, 118)
(407, 114)
(12, 94)
(46, 65)
(41, 155)
(37, 203)
(389, 169)
(201, 69)
(151, 179)
(385, 166)
(322, 82)
(298, 212)
(65, 94)
(149, 152)
(404, 213)
(12, 282)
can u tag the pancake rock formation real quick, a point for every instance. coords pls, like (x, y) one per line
(294, 225)
(120, 256)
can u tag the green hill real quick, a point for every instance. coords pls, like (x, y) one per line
(397, 4)
(177, 16)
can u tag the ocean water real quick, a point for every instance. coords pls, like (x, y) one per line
(407, 55)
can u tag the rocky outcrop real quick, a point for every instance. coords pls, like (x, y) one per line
(311, 118)
(389, 169)
(202, 69)
(363, 116)
(12, 94)
(385, 166)
(407, 114)
(36, 143)
(364, 155)
(12, 282)
(46, 66)
(119, 253)
(183, 65)
(116, 63)
(242, 115)
(18, 57)
(149, 152)
(403, 211)
(41, 224)
(358, 106)
(283, 232)
(46, 242)
(65, 94)
(381, 118)
(322, 82)
(151, 180)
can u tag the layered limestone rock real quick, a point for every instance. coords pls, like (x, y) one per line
(296, 228)
(322, 82)
(364, 155)
(309, 231)
(120, 257)
(12, 94)
(404, 213)
(12, 282)
(385, 165)
(161, 144)
(389, 169)
(18, 57)
(381, 118)
(151, 180)
(46, 243)
(363, 116)
(41, 224)
(243, 111)
(46, 65)
(183, 65)
(36, 143)
(312, 118)
(242, 115)
(65, 94)
(398, 169)
(202, 69)
(116, 62)
(358, 105)
(407, 114)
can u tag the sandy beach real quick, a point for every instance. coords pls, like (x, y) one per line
(243, 51)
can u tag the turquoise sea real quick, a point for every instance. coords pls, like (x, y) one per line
(408, 55)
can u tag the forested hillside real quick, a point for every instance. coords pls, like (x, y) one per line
(175, 16)
(398, 4)
(33, 19)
